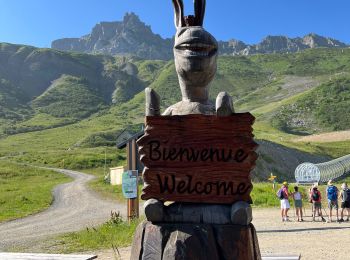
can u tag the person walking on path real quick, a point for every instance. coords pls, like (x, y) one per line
(316, 199)
(283, 194)
(298, 203)
(345, 201)
(332, 196)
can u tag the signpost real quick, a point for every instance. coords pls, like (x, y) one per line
(198, 158)
(134, 165)
(272, 178)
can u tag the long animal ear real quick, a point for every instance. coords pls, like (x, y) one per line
(199, 10)
(179, 13)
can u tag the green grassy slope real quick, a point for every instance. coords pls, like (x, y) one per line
(324, 108)
(25, 190)
(35, 83)
(70, 97)
(78, 102)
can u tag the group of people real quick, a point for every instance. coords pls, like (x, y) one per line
(332, 194)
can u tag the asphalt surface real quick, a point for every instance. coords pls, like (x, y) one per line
(75, 207)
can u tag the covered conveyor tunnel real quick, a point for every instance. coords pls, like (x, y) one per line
(322, 172)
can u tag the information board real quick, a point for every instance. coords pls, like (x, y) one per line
(198, 158)
(129, 184)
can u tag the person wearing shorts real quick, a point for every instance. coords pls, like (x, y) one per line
(332, 196)
(333, 204)
(285, 206)
(316, 199)
(298, 203)
(345, 202)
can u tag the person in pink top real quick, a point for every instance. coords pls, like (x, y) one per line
(285, 206)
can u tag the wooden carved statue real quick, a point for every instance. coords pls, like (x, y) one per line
(195, 53)
(186, 230)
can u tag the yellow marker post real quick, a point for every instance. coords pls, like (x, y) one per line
(273, 179)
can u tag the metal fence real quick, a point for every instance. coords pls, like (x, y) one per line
(322, 172)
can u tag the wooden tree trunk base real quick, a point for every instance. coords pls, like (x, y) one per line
(170, 241)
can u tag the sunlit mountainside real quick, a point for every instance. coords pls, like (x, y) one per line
(60, 106)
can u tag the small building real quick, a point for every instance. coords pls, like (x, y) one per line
(132, 155)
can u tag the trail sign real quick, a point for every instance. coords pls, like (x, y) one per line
(198, 158)
(129, 184)
(272, 177)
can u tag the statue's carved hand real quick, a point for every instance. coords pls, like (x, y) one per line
(152, 103)
(224, 106)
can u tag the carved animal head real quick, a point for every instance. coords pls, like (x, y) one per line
(195, 49)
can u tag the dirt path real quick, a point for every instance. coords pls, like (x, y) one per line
(74, 208)
(326, 137)
(313, 240)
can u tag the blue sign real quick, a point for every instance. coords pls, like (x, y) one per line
(129, 184)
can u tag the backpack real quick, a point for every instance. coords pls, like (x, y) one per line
(315, 195)
(280, 194)
(346, 195)
(332, 193)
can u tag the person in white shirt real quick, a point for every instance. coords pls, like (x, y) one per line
(298, 203)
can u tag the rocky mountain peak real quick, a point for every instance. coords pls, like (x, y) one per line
(131, 19)
(279, 43)
(282, 44)
(129, 37)
(233, 45)
(314, 41)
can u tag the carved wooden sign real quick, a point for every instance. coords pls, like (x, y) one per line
(198, 158)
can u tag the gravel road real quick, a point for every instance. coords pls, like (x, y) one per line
(74, 208)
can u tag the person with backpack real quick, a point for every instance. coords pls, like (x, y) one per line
(315, 198)
(345, 201)
(298, 203)
(283, 195)
(310, 199)
(332, 196)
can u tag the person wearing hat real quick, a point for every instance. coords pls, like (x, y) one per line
(332, 196)
(315, 198)
(285, 206)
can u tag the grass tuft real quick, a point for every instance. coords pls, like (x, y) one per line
(115, 233)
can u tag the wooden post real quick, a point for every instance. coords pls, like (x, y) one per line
(132, 204)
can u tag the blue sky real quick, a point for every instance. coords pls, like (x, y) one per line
(38, 22)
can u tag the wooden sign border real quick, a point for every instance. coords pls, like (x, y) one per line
(167, 174)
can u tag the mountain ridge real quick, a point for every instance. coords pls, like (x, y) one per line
(132, 37)
(280, 44)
